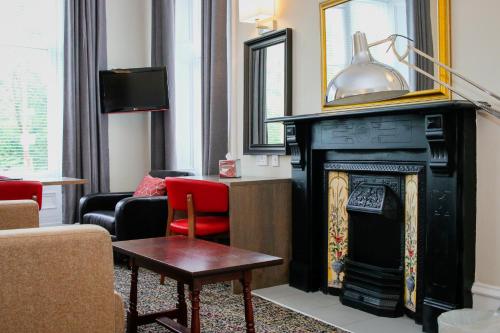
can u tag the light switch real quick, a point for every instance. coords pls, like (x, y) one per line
(261, 160)
(275, 160)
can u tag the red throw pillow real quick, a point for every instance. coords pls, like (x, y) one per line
(150, 187)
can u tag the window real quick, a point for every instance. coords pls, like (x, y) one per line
(390, 18)
(378, 19)
(188, 84)
(31, 37)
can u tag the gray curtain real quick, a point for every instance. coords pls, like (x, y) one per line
(162, 54)
(420, 30)
(214, 84)
(85, 129)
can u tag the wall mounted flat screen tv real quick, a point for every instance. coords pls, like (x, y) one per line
(134, 89)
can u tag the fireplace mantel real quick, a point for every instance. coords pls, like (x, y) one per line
(445, 106)
(440, 139)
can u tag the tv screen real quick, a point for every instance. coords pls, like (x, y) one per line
(134, 89)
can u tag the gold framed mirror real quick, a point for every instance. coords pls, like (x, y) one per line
(426, 22)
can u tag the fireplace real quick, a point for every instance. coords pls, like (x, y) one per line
(372, 219)
(384, 207)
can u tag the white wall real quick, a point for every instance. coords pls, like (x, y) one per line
(303, 17)
(128, 40)
(475, 52)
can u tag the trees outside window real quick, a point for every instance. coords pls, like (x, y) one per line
(31, 36)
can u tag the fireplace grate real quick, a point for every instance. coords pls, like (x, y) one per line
(373, 289)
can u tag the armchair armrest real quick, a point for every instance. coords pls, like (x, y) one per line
(16, 214)
(101, 201)
(141, 217)
(119, 313)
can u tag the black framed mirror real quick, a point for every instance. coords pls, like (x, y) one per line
(268, 92)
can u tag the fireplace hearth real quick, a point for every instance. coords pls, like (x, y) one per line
(384, 207)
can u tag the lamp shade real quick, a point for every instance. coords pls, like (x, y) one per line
(252, 11)
(365, 80)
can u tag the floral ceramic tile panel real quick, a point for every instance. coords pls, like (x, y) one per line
(411, 229)
(338, 194)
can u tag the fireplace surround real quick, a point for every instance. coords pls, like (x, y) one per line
(412, 170)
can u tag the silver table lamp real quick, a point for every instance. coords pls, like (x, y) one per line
(366, 80)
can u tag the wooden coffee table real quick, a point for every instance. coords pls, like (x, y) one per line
(193, 262)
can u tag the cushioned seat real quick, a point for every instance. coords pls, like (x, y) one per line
(58, 280)
(126, 216)
(204, 226)
(197, 196)
(21, 190)
(103, 218)
(193, 197)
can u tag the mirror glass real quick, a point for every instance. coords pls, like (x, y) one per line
(274, 103)
(266, 78)
(419, 20)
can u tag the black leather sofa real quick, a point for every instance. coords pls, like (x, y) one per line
(126, 217)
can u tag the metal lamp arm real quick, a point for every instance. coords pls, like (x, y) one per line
(451, 70)
(391, 39)
(402, 58)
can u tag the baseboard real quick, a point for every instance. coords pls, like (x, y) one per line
(485, 296)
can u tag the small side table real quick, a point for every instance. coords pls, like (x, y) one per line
(193, 262)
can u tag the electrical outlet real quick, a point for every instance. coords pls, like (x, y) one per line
(275, 160)
(261, 160)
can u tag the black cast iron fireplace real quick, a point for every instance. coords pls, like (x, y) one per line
(373, 279)
(428, 146)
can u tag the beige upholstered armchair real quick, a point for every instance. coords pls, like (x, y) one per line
(58, 279)
(15, 214)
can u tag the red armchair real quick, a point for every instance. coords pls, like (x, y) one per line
(21, 189)
(197, 196)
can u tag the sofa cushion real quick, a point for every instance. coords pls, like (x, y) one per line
(103, 218)
(58, 279)
(150, 187)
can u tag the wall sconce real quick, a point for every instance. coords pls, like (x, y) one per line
(260, 12)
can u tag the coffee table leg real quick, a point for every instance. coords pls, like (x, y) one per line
(247, 296)
(132, 311)
(181, 304)
(195, 307)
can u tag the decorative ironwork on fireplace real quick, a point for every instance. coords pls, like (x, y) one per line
(373, 199)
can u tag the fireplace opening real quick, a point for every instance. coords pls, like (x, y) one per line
(374, 276)
(375, 226)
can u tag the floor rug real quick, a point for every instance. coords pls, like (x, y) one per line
(221, 311)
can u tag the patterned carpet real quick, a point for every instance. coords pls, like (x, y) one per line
(221, 311)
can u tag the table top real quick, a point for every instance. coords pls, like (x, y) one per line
(194, 257)
(241, 180)
(50, 181)
(61, 181)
